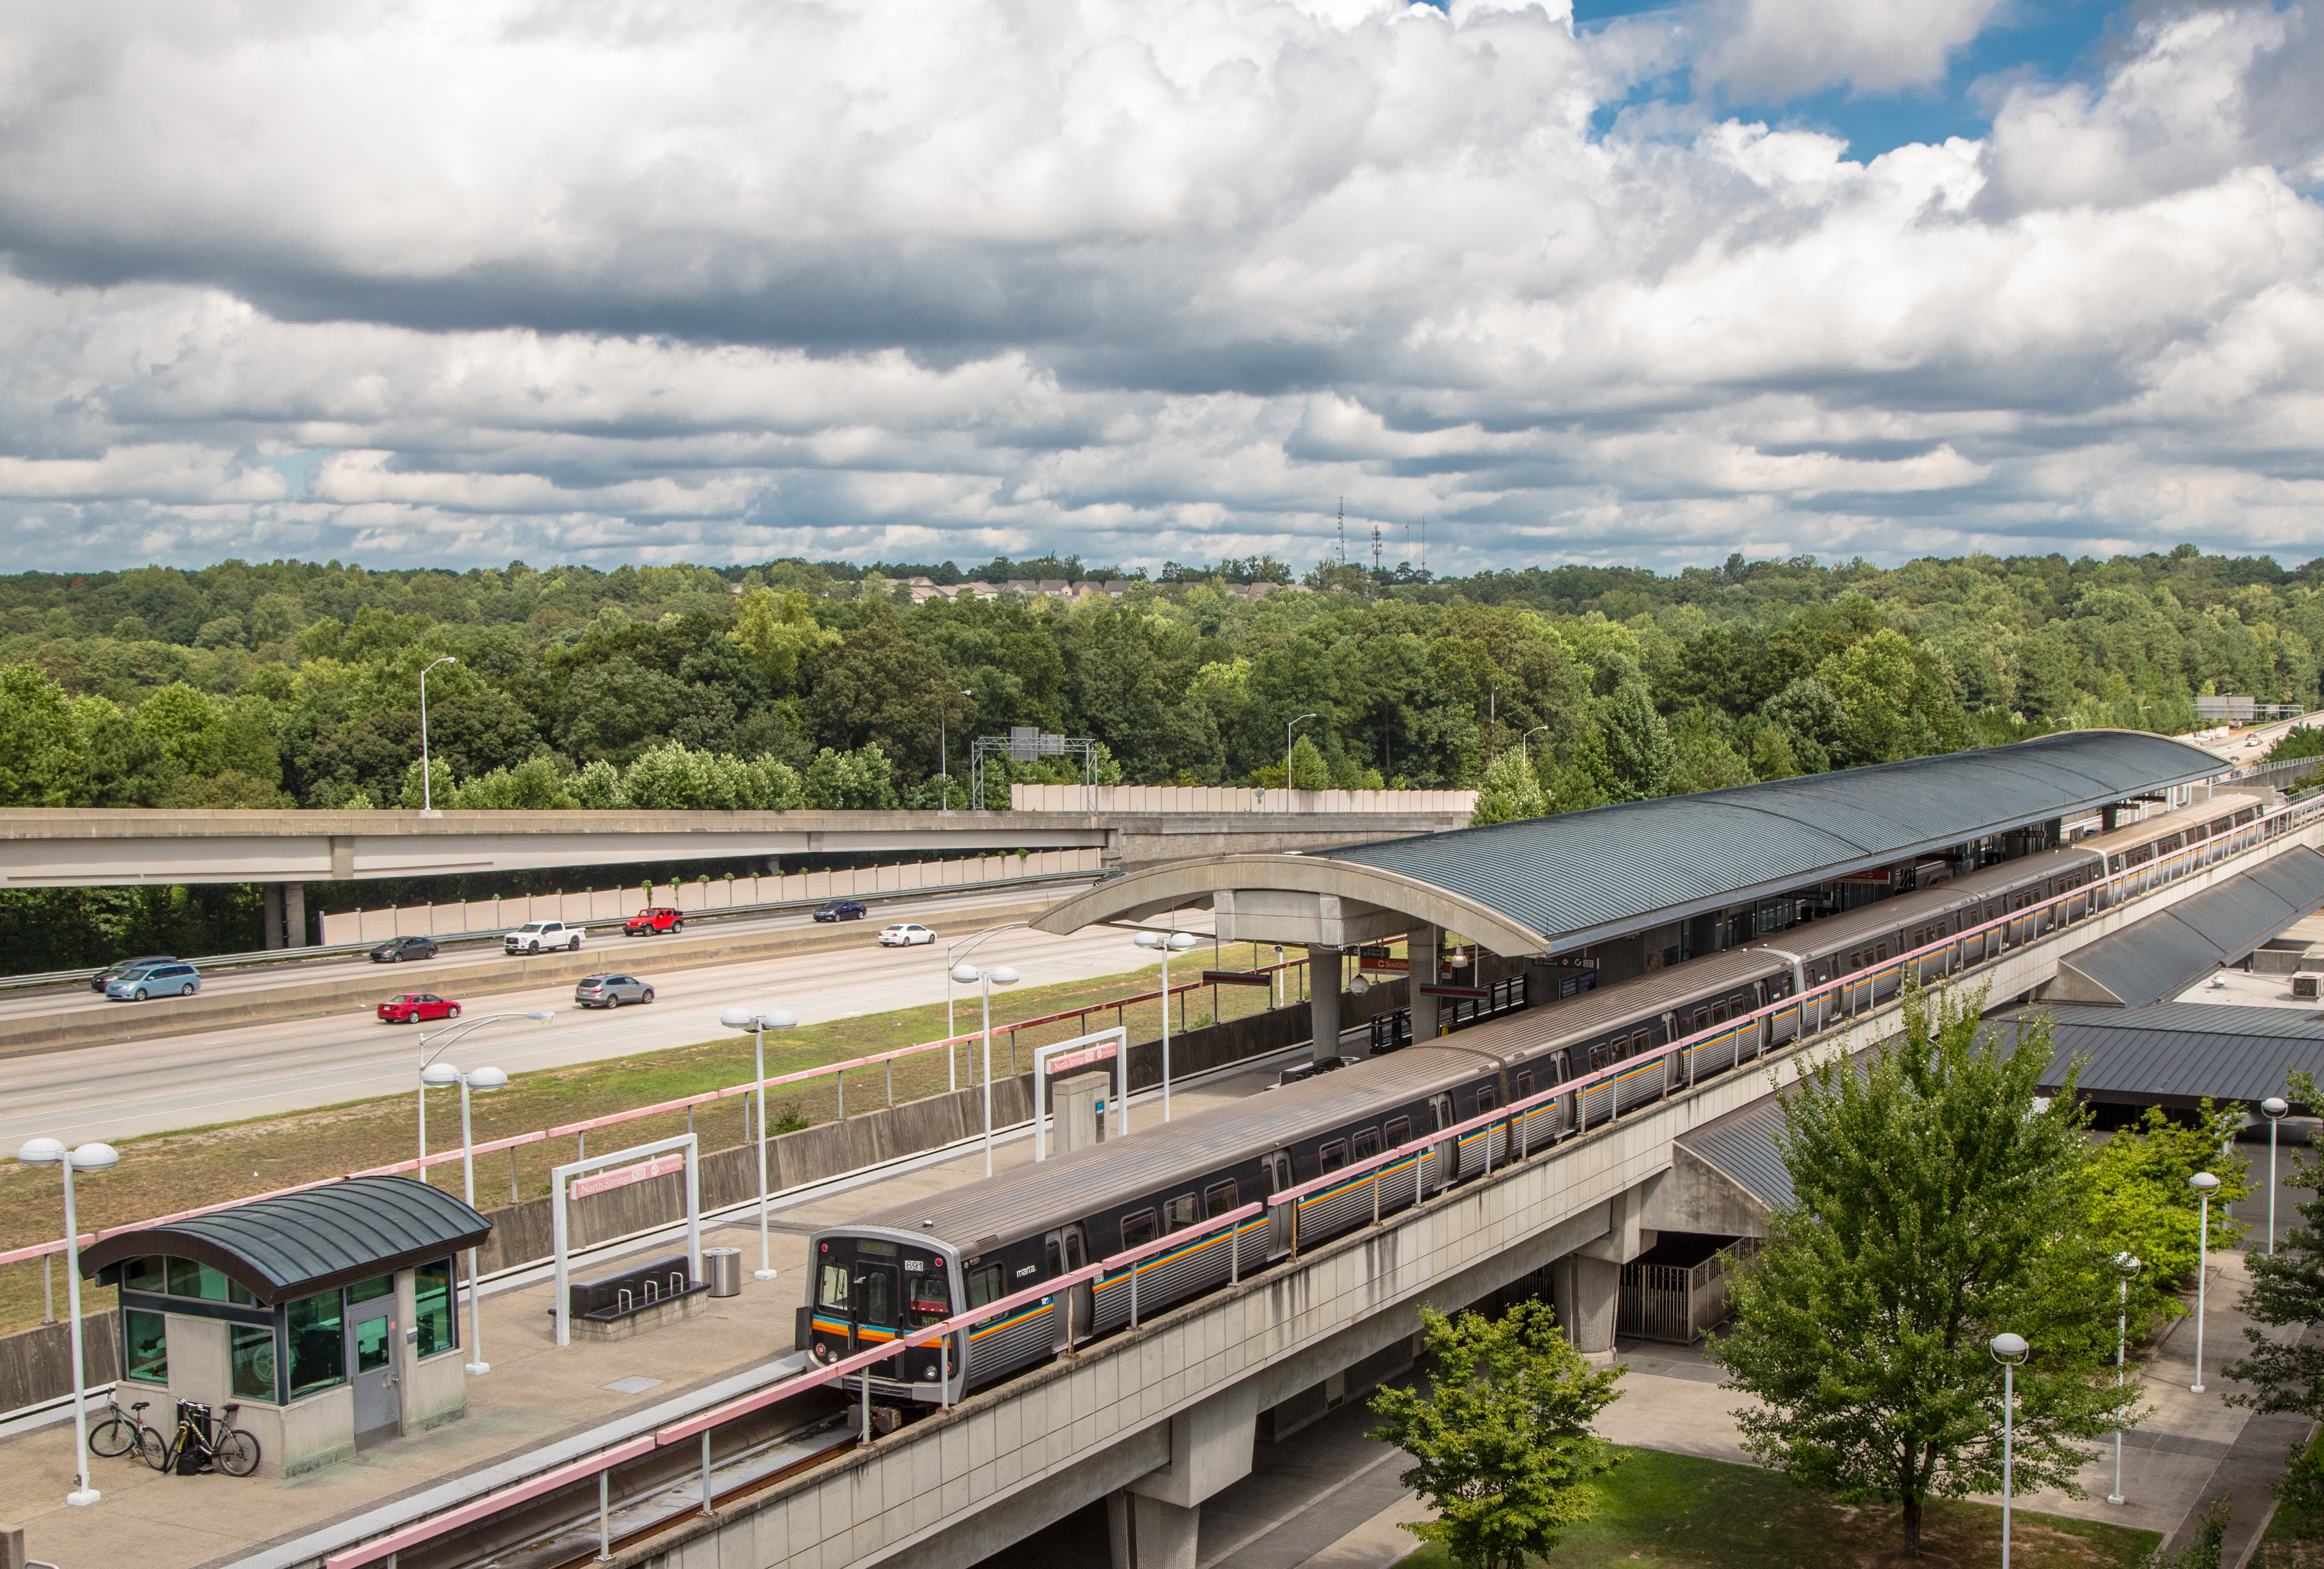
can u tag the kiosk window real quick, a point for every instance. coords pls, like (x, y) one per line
(147, 1335)
(431, 1307)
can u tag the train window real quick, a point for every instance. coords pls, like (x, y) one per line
(1179, 1212)
(1882, 955)
(1856, 961)
(1638, 1042)
(1525, 1085)
(1367, 1144)
(983, 1285)
(929, 1301)
(1442, 1107)
(1601, 1055)
(1218, 1199)
(1486, 1099)
(1718, 1013)
(1703, 1018)
(1334, 1155)
(833, 1290)
(1137, 1230)
(1398, 1132)
(1053, 1256)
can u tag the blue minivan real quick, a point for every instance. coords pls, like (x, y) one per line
(175, 979)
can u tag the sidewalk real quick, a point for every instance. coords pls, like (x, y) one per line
(537, 1394)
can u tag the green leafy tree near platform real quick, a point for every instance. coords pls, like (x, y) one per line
(1935, 1204)
(1503, 1442)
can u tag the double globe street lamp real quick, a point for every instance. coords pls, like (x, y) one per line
(86, 1158)
(968, 974)
(446, 1038)
(2204, 1185)
(442, 1076)
(1169, 944)
(758, 1021)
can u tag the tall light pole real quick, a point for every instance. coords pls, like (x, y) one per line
(427, 801)
(759, 1022)
(944, 763)
(1523, 749)
(2205, 1184)
(86, 1158)
(2125, 1269)
(953, 955)
(2009, 1351)
(1293, 725)
(2272, 1108)
(447, 1036)
(441, 1076)
(999, 976)
(1174, 942)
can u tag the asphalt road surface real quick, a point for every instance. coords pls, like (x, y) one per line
(155, 1085)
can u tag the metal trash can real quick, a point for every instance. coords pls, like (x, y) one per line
(722, 1268)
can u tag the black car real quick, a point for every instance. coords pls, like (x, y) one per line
(395, 950)
(844, 910)
(106, 976)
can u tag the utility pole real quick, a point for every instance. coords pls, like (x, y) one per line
(1343, 531)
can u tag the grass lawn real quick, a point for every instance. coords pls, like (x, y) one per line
(167, 1172)
(1673, 1512)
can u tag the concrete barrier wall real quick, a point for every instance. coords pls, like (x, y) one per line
(1170, 798)
(618, 904)
(36, 1364)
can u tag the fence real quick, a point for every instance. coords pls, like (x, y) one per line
(1678, 1303)
(1169, 798)
(726, 893)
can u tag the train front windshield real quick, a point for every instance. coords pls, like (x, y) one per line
(869, 1290)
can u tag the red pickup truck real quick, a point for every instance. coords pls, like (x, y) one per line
(653, 921)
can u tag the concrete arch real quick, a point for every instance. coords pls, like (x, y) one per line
(1295, 900)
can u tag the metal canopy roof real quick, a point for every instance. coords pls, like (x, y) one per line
(295, 1244)
(2162, 954)
(1742, 1145)
(1588, 876)
(2176, 1053)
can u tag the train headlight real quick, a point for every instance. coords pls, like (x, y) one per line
(928, 1373)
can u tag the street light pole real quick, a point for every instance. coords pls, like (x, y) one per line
(86, 1158)
(999, 976)
(2126, 1267)
(1174, 942)
(2009, 1351)
(448, 1035)
(2274, 1108)
(759, 1023)
(427, 801)
(1525, 751)
(443, 1075)
(1293, 725)
(2205, 1184)
(952, 952)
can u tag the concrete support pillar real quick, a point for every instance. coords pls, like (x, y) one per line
(1584, 1289)
(294, 916)
(271, 921)
(1323, 1008)
(1420, 946)
(1147, 1533)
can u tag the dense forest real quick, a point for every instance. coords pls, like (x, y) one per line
(295, 683)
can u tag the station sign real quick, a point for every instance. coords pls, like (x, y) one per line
(624, 1176)
(1066, 1062)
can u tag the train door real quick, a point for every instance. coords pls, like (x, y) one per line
(1444, 1155)
(1064, 1251)
(872, 1309)
(1276, 1167)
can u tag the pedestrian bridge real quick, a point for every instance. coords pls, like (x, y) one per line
(1159, 1416)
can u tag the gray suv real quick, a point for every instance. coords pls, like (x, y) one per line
(611, 991)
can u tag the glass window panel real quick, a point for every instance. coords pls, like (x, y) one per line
(371, 1290)
(832, 1292)
(146, 1334)
(985, 1285)
(252, 1350)
(431, 1307)
(1179, 1212)
(1218, 1199)
(1334, 1155)
(879, 1284)
(371, 1342)
(1137, 1230)
(150, 1273)
(188, 1279)
(930, 1299)
(318, 1356)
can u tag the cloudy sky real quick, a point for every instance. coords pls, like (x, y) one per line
(420, 282)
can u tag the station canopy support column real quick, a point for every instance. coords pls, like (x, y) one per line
(1421, 946)
(1324, 1005)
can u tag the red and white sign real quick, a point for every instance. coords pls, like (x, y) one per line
(1070, 1060)
(623, 1176)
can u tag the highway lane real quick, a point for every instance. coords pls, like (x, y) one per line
(147, 1087)
(604, 938)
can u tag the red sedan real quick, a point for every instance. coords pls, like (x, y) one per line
(412, 1007)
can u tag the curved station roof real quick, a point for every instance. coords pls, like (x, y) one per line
(294, 1245)
(1550, 884)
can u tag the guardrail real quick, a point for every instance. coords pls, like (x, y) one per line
(477, 938)
(1854, 993)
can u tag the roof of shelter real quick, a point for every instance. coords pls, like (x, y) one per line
(294, 1245)
(1557, 882)
(2162, 954)
(2176, 1053)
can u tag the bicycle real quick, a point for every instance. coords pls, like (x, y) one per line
(121, 1432)
(204, 1437)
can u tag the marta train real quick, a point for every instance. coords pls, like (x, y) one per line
(918, 1263)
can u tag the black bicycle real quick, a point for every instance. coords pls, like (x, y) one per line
(121, 1432)
(203, 1438)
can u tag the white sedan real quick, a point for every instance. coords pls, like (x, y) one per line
(904, 935)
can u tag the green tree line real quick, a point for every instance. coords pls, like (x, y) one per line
(297, 683)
